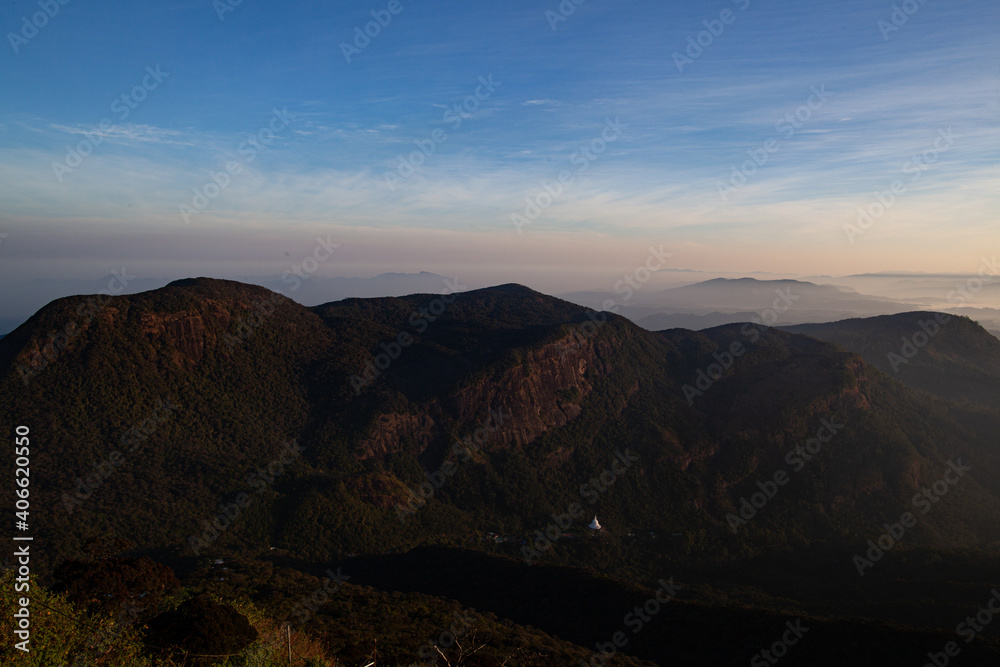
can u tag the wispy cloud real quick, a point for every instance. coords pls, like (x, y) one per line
(685, 132)
(129, 133)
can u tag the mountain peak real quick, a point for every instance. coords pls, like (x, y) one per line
(511, 288)
(218, 288)
(750, 281)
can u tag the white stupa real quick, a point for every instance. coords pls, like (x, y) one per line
(594, 525)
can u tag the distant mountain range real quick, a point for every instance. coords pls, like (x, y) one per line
(694, 306)
(728, 300)
(785, 302)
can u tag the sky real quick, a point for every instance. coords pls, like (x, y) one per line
(525, 141)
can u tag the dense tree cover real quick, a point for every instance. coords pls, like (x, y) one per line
(946, 355)
(212, 418)
(287, 376)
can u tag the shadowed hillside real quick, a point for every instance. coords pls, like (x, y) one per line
(946, 355)
(211, 417)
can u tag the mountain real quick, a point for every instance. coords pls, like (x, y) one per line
(160, 373)
(661, 321)
(988, 318)
(946, 355)
(213, 417)
(730, 300)
(19, 300)
(314, 289)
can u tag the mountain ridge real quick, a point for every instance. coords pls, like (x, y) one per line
(497, 424)
(544, 362)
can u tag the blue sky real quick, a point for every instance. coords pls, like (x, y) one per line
(930, 87)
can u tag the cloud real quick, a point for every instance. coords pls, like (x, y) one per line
(129, 133)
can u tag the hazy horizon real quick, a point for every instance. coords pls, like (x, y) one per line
(977, 297)
(230, 138)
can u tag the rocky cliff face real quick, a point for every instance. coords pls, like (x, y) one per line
(209, 314)
(541, 393)
(508, 408)
(395, 432)
(181, 336)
